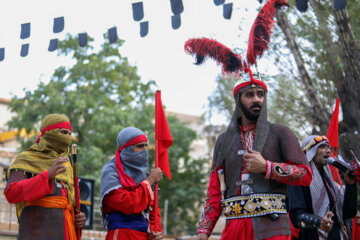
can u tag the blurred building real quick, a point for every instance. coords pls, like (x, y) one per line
(8, 143)
(199, 147)
(202, 147)
(8, 152)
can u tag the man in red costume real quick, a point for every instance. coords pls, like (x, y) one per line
(41, 184)
(126, 193)
(258, 159)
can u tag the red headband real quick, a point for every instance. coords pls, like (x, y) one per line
(135, 140)
(252, 81)
(66, 125)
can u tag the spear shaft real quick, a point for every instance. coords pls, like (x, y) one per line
(76, 186)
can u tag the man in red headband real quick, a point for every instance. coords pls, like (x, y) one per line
(253, 162)
(126, 193)
(41, 184)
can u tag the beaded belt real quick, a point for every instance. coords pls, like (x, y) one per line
(254, 205)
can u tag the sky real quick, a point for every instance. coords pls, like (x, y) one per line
(159, 56)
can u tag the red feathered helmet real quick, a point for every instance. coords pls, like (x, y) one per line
(231, 62)
(254, 81)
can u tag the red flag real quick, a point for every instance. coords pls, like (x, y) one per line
(333, 136)
(163, 138)
(333, 130)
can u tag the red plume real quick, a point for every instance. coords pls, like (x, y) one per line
(204, 47)
(259, 37)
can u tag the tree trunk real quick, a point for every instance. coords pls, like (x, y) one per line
(320, 116)
(332, 51)
(350, 86)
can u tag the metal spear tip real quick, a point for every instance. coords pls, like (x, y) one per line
(73, 148)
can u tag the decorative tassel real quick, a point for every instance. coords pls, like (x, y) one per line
(204, 47)
(259, 37)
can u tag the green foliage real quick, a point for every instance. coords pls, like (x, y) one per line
(291, 98)
(187, 188)
(222, 100)
(101, 93)
(354, 9)
(285, 106)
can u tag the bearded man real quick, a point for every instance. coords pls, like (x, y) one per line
(258, 160)
(319, 211)
(41, 184)
(126, 194)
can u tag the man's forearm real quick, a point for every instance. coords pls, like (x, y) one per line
(289, 173)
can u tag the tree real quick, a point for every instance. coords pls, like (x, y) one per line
(334, 58)
(101, 93)
(186, 190)
(222, 100)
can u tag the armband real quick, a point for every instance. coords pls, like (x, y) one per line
(305, 220)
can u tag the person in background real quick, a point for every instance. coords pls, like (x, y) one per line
(321, 209)
(41, 184)
(126, 194)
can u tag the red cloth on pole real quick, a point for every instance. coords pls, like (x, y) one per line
(162, 136)
(333, 136)
(355, 229)
(333, 130)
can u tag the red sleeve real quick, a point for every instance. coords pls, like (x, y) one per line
(212, 206)
(129, 201)
(158, 221)
(29, 189)
(356, 170)
(289, 173)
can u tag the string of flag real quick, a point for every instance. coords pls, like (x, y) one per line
(177, 9)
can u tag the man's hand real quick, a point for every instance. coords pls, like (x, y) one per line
(326, 223)
(57, 167)
(155, 175)
(156, 235)
(254, 162)
(348, 178)
(202, 236)
(80, 220)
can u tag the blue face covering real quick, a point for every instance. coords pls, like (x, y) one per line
(135, 164)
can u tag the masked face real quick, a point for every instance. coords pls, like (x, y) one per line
(58, 141)
(251, 102)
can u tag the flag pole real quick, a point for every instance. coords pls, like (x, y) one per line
(156, 166)
(163, 141)
(156, 184)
